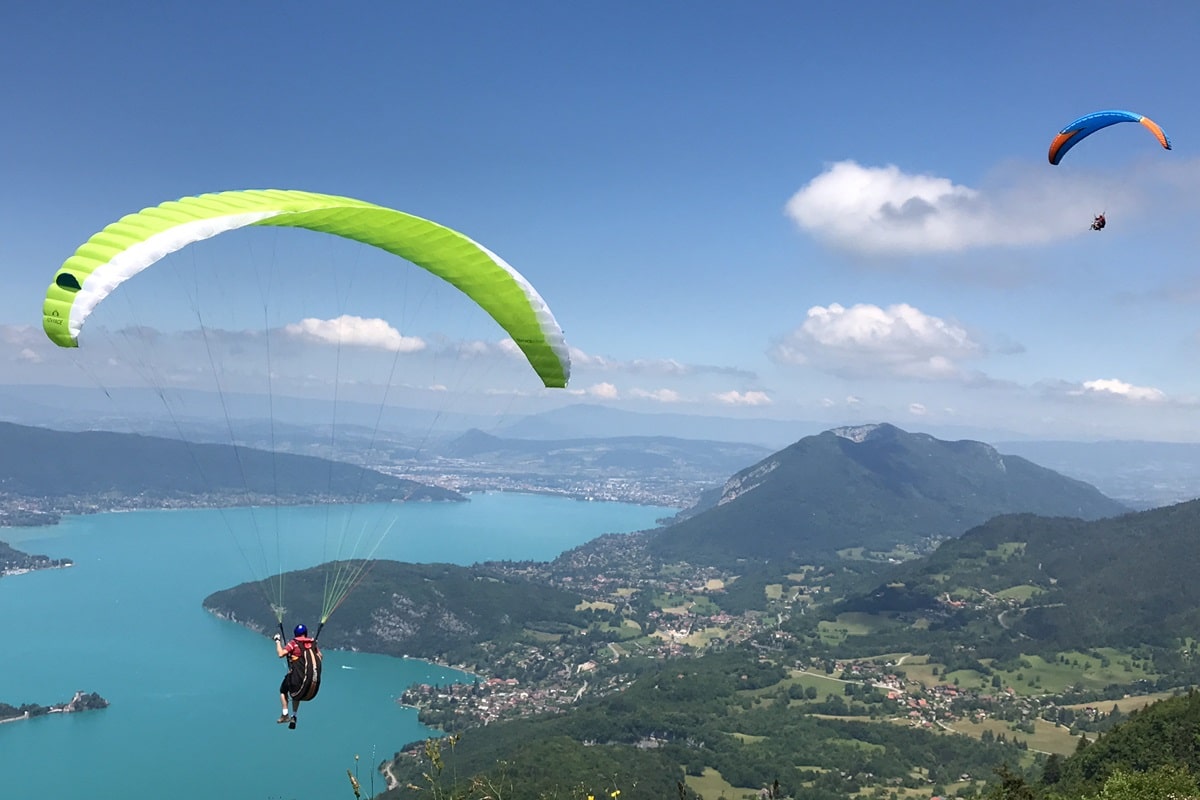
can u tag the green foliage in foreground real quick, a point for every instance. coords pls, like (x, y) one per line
(1165, 734)
(1155, 755)
(576, 772)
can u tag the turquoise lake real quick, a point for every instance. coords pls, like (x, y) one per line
(194, 698)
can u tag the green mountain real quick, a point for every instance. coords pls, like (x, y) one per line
(1124, 582)
(874, 487)
(437, 611)
(39, 462)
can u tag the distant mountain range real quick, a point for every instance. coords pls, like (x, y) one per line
(873, 487)
(593, 421)
(82, 408)
(38, 462)
(1140, 474)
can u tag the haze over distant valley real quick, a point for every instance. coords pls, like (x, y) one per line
(583, 449)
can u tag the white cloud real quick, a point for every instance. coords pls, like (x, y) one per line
(664, 366)
(866, 340)
(582, 359)
(444, 348)
(1117, 388)
(26, 343)
(885, 210)
(917, 409)
(355, 331)
(659, 395)
(16, 334)
(605, 391)
(733, 398)
(850, 402)
(474, 347)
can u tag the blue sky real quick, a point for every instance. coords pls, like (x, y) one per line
(811, 211)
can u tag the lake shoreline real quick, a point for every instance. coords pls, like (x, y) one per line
(430, 661)
(134, 601)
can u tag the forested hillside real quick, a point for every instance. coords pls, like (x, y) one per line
(1126, 581)
(435, 611)
(1163, 735)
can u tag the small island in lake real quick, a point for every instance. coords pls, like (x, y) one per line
(82, 701)
(14, 562)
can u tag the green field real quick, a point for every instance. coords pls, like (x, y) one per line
(1041, 677)
(1126, 704)
(855, 743)
(967, 679)
(1046, 738)
(588, 605)
(1037, 676)
(1006, 550)
(624, 631)
(1020, 593)
(712, 786)
(824, 685)
(851, 623)
(686, 604)
(918, 668)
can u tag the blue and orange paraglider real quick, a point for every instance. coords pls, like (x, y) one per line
(1085, 126)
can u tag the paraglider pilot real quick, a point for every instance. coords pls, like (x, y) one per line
(1098, 223)
(304, 672)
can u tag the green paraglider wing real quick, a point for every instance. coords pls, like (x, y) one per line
(133, 243)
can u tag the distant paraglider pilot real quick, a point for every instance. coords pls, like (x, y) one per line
(303, 679)
(1098, 222)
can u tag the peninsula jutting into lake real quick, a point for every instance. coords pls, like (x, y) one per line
(82, 701)
(14, 562)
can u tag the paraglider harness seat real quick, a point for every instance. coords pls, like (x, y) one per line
(1098, 223)
(303, 679)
